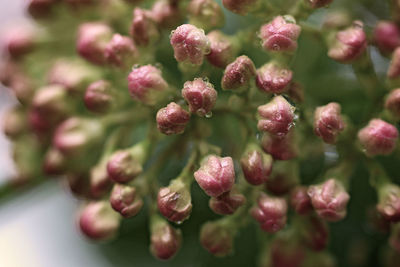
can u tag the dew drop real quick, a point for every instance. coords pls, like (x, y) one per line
(208, 115)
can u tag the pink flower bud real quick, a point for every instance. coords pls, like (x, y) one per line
(217, 238)
(100, 97)
(270, 213)
(205, 14)
(146, 84)
(276, 117)
(92, 41)
(349, 44)
(172, 119)
(125, 200)
(272, 78)
(216, 175)
(98, 221)
(227, 203)
(241, 7)
(328, 123)
(19, 40)
(315, 233)
(223, 49)
(256, 166)
(386, 36)
(280, 148)
(239, 74)
(54, 162)
(394, 67)
(389, 202)
(175, 202)
(123, 166)
(121, 51)
(300, 201)
(318, 3)
(40, 8)
(280, 35)
(143, 28)
(190, 44)
(329, 200)
(166, 14)
(100, 184)
(378, 137)
(392, 103)
(165, 240)
(14, 122)
(200, 96)
(22, 87)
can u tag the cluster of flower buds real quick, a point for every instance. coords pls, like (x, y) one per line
(110, 104)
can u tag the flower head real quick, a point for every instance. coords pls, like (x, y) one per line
(256, 166)
(328, 122)
(270, 213)
(172, 119)
(272, 78)
(200, 95)
(239, 74)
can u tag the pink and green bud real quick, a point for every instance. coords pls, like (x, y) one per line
(205, 14)
(280, 35)
(227, 203)
(378, 138)
(125, 200)
(386, 36)
(101, 97)
(241, 7)
(121, 51)
(40, 8)
(276, 117)
(349, 44)
(200, 96)
(144, 29)
(175, 202)
(98, 221)
(14, 122)
(389, 202)
(54, 162)
(172, 119)
(166, 14)
(92, 41)
(165, 240)
(239, 74)
(280, 148)
(328, 122)
(300, 200)
(100, 184)
(223, 49)
(146, 84)
(270, 212)
(190, 44)
(273, 78)
(256, 166)
(19, 40)
(329, 200)
(22, 87)
(318, 3)
(216, 175)
(392, 103)
(217, 238)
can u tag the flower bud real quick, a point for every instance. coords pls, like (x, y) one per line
(172, 119)
(54, 162)
(394, 67)
(329, 200)
(22, 87)
(284, 177)
(40, 8)
(100, 97)
(272, 78)
(125, 200)
(276, 117)
(386, 36)
(280, 148)
(239, 74)
(227, 203)
(200, 96)
(14, 122)
(216, 175)
(241, 7)
(394, 239)
(100, 184)
(392, 103)
(146, 84)
(190, 44)
(98, 221)
(349, 44)
(300, 201)
(92, 41)
(315, 233)
(336, 19)
(389, 202)
(143, 28)
(19, 40)
(378, 137)
(205, 14)
(270, 213)
(256, 166)
(280, 35)
(121, 51)
(217, 238)
(318, 3)
(223, 49)
(165, 240)
(166, 14)
(175, 202)
(328, 123)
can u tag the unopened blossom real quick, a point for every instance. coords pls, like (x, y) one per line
(100, 97)
(146, 84)
(100, 184)
(125, 165)
(392, 103)
(273, 78)
(125, 200)
(349, 44)
(14, 122)
(393, 71)
(318, 3)
(92, 41)
(239, 74)
(386, 36)
(200, 96)
(190, 44)
(280, 148)
(223, 49)
(389, 202)
(256, 166)
(121, 51)
(227, 203)
(276, 117)
(166, 14)
(300, 200)
(40, 8)
(205, 14)
(144, 29)
(378, 138)
(329, 200)
(216, 175)
(172, 119)
(328, 122)
(270, 213)
(217, 238)
(165, 240)
(19, 40)
(54, 162)
(280, 35)
(241, 7)
(314, 233)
